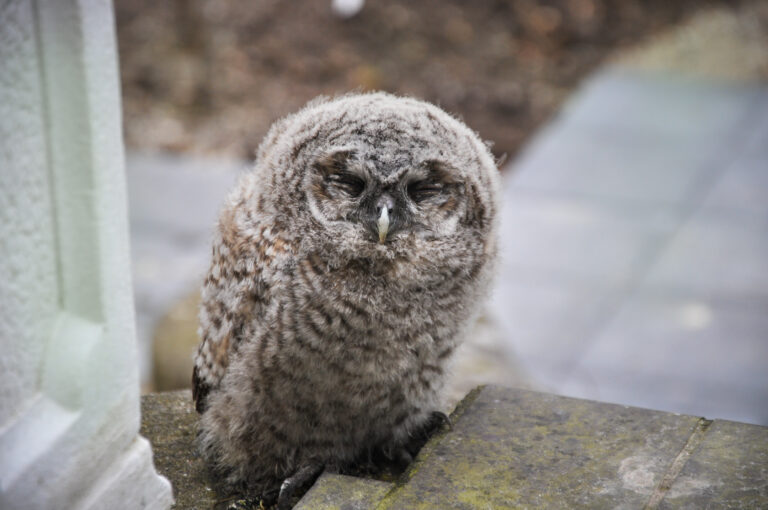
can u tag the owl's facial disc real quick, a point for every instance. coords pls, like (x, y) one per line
(366, 206)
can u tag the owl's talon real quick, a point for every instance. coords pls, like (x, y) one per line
(433, 424)
(302, 478)
(440, 419)
(402, 459)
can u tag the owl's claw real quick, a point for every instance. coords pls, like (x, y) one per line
(402, 459)
(302, 478)
(434, 423)
(439, 419)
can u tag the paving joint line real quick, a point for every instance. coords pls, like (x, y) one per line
(674, 470)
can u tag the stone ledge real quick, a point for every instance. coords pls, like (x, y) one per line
(513, 448)
(340, 492)
(169, 422)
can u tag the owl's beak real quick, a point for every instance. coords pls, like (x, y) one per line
(384, 207)
(383, 224)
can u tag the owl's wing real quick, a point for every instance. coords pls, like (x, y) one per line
(234, 297)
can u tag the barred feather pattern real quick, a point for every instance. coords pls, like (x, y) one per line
(319, 343)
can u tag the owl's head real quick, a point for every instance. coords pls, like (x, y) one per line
(380, 178)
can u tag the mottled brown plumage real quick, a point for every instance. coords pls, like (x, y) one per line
(345, 269)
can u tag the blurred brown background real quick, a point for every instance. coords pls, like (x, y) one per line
(210, 76)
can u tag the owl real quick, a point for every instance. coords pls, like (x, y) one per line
(345, 268)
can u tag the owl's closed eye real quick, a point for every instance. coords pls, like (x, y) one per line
(411, 198)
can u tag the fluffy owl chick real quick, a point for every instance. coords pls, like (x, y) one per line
(345, 268)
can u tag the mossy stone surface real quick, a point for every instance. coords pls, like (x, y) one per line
(511, 448)
(729, 469)
(340, 492)
(521, 449)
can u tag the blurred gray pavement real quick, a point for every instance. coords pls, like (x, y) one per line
(173, 205)
(635, 247)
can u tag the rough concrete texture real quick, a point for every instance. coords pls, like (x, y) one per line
(69, 403)
(512, 448)
(339, 492)
(169, 421)
(729, 469)
(30, 297)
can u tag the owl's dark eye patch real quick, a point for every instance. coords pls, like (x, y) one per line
(348, 183)
(419, 191)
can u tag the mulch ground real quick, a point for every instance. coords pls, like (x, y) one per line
(210, 76)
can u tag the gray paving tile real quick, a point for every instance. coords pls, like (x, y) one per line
(715, 256)
(758, 142)
(685, 355)
(681, 108)
(741, 191)
(173, 204)
(642, 138)
(547, 324)
(578, 238)
(727, 470)
(647, 186)
(622, 164)
(177, 196)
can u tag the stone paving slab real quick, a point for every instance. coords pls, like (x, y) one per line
(340, 492)
(519, 449)
(687, 354)
(740, 193)
(729, 469)
(646, 195)
(682, 108)
(758, 144)
(566, 237)
(511, 448)
(545, 319)
(715, 256)
(643, 137)
(574, 159)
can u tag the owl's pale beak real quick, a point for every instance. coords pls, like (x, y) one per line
(384, 207)
(383, 224)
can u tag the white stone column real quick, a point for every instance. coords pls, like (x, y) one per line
(69, 393)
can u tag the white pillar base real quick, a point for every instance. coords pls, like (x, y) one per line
(132, 478)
